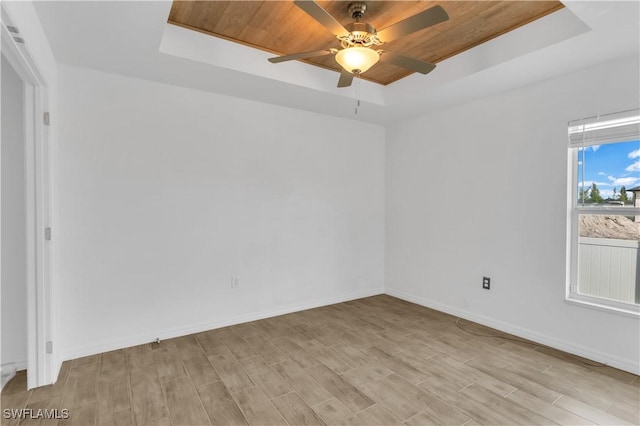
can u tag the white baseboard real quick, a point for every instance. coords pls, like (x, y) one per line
(604, 358)
(622, 364)
(197, 328)
(9, 369)
(20, 364)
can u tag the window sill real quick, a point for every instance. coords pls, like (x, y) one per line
(594, 303)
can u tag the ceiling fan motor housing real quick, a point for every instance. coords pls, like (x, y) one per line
(361, 34)
(357, 9)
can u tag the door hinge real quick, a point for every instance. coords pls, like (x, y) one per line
(49, 347)
(47, 234)
(45, 118)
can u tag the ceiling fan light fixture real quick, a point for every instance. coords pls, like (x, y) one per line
(357, 59)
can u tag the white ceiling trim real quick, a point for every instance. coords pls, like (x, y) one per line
(132, 38)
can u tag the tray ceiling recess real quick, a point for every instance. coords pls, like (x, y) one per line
(282, 28)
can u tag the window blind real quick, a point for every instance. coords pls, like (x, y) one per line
(617, 127)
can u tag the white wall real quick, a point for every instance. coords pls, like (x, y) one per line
(13, 250)
(481, 190)
(164, 192)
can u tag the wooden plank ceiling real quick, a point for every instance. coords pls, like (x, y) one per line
(282, 28)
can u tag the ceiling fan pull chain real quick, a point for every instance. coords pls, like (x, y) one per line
(357, 94)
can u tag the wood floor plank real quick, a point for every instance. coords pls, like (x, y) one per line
(303, 358)
(113, 364)
(333, 412)
(113, 395)
(334, 334)
(368, 372)
(187, 346)
(614, 373)
(44, 392)
(588, 412)
(269, 352)
(460, 352)
(141, 358)
(394, 364)
(247, 330)
(183, 403)
(296, 411)
(422, 419)
(629, 412)
(346, 393)
(282, 325)
(236, 345)
(306, 386)
(231, 373)
(16, 401)
(350, 354)
(476, 376)
(552, 412)
(84, 378)
(517, 413)
(87, 415)
(418, 348)
(257, 408)
(30, 418)
(358, 341)
(585, 378)
(147, 399)
(526, 354)
(327, 356)
(267, 330)
(477, 411)
(120, 418)
(210, 344)
(416, 360)
(168, 362)
(374, 415)
(200, 369)
(514, 379)
(271, 383)
(220, 406)
(577, 388)
(406, 400)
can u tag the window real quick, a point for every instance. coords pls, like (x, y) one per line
(604, 240)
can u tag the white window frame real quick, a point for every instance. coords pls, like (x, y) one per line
(574, 211)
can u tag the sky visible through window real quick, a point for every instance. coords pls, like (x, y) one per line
(610, 166)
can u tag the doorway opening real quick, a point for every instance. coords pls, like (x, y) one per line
(13, 252)
(25, 252)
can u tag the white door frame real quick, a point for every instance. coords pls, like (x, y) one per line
(38, 208)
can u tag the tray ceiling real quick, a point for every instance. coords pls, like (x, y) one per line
(282, 28)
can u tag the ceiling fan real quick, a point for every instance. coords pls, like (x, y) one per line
(358, 39)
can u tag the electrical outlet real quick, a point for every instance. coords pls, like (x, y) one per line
(235, 281)
(486, 283)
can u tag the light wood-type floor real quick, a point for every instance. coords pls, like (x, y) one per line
(373, 361)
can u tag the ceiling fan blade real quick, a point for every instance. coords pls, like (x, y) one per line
(429, 17)
(316, 11)
(302, 55)
(346, 78)
(407, 62)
